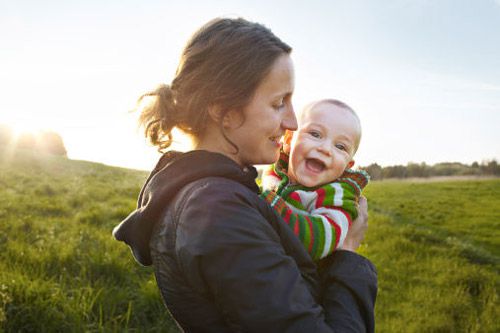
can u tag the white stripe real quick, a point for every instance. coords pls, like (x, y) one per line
(308, 199)
(328, 236)
(270, 182)
(338, 218)
(339, 194)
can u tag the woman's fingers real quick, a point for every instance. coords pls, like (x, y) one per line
(356, 232)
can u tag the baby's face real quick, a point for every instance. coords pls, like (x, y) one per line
(323, 146)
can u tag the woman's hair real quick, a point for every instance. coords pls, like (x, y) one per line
(222, 65)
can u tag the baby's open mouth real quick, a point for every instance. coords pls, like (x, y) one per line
(315, 165)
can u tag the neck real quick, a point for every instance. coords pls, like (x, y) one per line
(216, 143)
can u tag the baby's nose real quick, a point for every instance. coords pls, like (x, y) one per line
(325, 150)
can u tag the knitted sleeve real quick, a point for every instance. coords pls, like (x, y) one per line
(321, 217)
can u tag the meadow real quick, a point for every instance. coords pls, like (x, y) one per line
(436, 246)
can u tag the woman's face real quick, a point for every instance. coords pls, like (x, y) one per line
(268, 115)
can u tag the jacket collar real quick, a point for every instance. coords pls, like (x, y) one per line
(173, 171)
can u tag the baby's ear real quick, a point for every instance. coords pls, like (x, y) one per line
(287, 140)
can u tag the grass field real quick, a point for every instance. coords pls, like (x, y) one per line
(436, 246)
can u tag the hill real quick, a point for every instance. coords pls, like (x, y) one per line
(436, 246)
(60, 269)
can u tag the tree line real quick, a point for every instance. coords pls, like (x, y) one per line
(423, 170)
(41, 141)
(52, 143)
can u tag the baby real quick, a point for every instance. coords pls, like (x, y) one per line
(312, 186)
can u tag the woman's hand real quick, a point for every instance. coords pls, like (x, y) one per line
(358, 227)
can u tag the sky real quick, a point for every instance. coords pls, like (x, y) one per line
(423, 75)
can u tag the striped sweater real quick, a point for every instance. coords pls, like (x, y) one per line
(320, 216)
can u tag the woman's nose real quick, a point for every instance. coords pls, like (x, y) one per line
(289, 121)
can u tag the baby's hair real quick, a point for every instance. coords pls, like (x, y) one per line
(344, 106)
(339, 104)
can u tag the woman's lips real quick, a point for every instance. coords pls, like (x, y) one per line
(276, 140)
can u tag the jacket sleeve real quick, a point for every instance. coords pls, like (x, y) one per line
(225, 244)
(323, 226)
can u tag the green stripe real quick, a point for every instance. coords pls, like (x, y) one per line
(304, 232)
(319, 232)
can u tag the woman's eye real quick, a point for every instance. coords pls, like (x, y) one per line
(279, 105)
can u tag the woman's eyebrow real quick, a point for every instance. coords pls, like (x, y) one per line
(282, 94)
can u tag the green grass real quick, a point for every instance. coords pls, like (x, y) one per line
(60, 269)
(436, 247)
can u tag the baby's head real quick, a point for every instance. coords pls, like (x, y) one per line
(324, 145)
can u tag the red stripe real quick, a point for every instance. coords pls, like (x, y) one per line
(296, 229)
(269, 172)
(295, 196)
(321, 197)
(337, 234)
(336, 226)
(287, 215)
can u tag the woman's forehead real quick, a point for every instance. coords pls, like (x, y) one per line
(281, 78)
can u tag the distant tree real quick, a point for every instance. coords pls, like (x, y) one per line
(374, 170)
(490, 167)
(417, 170)
(26, 141)
(52, 143)
(43, 141)
(487, 167)
(451, 169)
(396, 171)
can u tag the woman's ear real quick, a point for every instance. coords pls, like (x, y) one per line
(230, 119)
(287, 141)
(215, 113)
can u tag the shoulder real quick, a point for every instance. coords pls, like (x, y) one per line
(222, 207)
(218, 191)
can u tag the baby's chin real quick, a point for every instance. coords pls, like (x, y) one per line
(306, 181)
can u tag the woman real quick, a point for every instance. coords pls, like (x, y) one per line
(223, 260)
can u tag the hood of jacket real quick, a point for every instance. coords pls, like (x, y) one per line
(173, 171)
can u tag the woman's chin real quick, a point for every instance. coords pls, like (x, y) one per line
(268, 157)
(275, 157)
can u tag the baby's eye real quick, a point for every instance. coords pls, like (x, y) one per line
(315, 134)
(341, 147)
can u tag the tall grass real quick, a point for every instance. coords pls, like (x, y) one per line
(436, 247)
(60, 269)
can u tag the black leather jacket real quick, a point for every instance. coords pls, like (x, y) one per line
(226, 262)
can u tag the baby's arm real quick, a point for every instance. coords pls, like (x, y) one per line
(324, 220)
